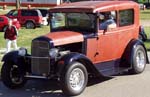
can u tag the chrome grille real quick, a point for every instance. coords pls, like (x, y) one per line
(40, 49)
(40, 62)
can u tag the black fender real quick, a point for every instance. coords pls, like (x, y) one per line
(14, 58)
(129, 52)
(69, 58)
(11, 57)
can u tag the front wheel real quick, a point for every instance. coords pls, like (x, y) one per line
(139, 60)
(12, 76)
(74, 79)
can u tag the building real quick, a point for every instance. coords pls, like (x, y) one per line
(45, 3)
(34, 3)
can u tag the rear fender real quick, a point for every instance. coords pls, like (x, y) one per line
(129, 52)
(69, 58)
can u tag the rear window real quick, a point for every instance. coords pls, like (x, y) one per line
(29, 13)
(1, 19)
(126, 17)
(44, 12)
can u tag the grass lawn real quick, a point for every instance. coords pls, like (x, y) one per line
(147, 43)
(145, 15)
(25, 37)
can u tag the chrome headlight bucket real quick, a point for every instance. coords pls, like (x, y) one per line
(22, 51)
(53, 52)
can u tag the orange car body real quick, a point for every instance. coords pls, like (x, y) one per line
(81, 43)
(109, 45)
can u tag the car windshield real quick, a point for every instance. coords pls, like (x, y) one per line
(73, 21)
(10, 12)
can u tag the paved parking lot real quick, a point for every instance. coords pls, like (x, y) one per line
(117, 86)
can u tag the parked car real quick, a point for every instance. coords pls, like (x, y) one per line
(44, 13)
(4, 23)
(77, 48)
(147, 5)
(30, 18)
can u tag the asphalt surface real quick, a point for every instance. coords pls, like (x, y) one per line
(118, 86)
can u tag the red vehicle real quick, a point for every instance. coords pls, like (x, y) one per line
(30, 18)
(4, 23)
(97, 38)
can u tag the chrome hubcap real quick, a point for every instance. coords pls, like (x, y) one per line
(140, 59)
(77, 79)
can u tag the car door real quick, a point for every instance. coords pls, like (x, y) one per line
(107, 49)
(112, 43)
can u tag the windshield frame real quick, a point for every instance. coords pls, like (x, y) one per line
(82, 30)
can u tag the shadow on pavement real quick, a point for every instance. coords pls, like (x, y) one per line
(34, 88)
(42, 88)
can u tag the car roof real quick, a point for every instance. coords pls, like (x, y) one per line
(93, 6)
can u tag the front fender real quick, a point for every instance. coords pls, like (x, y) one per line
(11, 57)
(22, 62)
(69, 58)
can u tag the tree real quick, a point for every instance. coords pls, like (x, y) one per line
(18, 2)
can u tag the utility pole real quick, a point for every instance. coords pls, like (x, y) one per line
(18, 2)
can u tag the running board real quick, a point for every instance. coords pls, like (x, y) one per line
(38, 77)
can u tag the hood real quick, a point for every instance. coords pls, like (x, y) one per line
(65, 37)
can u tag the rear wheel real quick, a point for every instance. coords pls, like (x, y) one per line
(74, 79)
(30, 25)
(12, 76)
(139, 60)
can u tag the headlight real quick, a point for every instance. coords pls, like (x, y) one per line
(53, 52)
(22, 51)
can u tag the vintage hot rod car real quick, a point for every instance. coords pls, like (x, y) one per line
(96, 38)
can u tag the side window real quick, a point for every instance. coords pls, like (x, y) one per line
(29, 13)
(1, 19)
(107, 20)
(24, 13)
(33, 13)
(126, 17)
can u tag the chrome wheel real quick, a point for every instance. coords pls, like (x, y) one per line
(77, 79)
(74, 79)
(140, 59)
